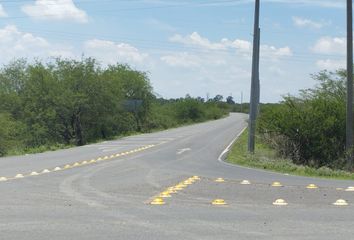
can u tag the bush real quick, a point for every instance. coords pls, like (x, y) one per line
(310, 129)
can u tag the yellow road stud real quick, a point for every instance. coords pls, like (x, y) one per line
(3, 179)
(67, 166)
(171, 190)
(187, 182)
(76, 164)
(245, 182)
(19, 176)
(157, 201)
(105, 157)
(178, 187)
(311, 186)
(191, 180)
(57, 169)
(218, 202)
(165, 194)
(219, 180)
(84, 162)
(349, 189)
(45, 171)
(118, 154)
(99, 159)
(280, 202)
(276, 184)
(93, 161)
(196, 177)
(34, 174)
(182, 185)
(340, 202)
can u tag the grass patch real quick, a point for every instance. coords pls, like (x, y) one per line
(267, 159)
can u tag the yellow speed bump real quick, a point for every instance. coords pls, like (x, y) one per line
(188, 182)
(178, 187)
(280, 202)
(218, 202)
(245, 182)
(219, 180)
(341, 202)
(3, 179)
(19, 176)
(276, 184)
(165, 194)
(57, 169)
(312, 186)
(157, 201)
(34, 174)
(171, 190)
(196, 177)
(45, 171)
(182, 185)
(349, 189)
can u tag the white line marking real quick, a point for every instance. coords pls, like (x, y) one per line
(227, 149)
(180, 151)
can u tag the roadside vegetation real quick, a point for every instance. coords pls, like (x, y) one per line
(63, 103)
(303, 134)
(267, 158)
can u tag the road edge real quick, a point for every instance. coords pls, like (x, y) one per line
(224, 153)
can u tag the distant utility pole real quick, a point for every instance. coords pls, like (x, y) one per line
(241, 100)
(349, 124)
(255, 86)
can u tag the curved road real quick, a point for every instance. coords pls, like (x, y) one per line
(107, 193)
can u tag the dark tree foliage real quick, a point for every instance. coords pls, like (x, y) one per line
(310, 128)
(77, 102)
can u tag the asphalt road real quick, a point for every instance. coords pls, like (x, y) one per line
(107, 193)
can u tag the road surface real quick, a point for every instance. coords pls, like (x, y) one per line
(104, 190)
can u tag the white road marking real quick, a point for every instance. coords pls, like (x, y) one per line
(227, 149)
(180, 151)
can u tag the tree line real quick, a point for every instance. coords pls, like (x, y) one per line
(310, 128)
(70, 102)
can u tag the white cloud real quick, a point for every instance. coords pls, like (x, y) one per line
(111, 52)
(273, 52)
(304, 22)
(242, 47)
(182, 59)
(17, 44)
(328, 45)
(2, 11)
(331, 64)
(196, 40)
(55, 10)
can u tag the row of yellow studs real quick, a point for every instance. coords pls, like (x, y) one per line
(159, 199)
(278, 184)
(77, 164)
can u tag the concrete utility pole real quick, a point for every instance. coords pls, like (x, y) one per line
(255, 91)
(349, 124)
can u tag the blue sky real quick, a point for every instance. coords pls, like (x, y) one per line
(197, 47)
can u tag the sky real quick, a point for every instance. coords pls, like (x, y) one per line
(196, 47)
